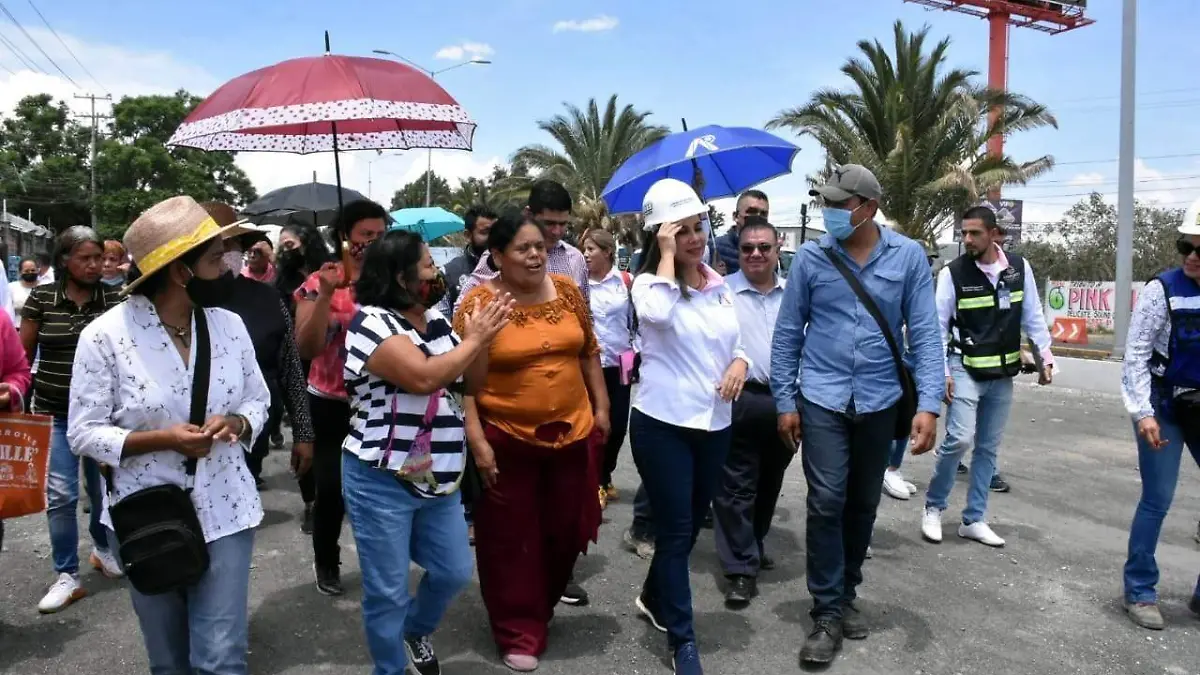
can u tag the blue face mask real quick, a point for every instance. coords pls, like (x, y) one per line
(117, 281)
(837, 222)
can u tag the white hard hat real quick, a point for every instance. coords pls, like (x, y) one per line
(1191, 219)
(668, 201)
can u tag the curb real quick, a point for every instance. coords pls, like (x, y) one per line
(1082, 353)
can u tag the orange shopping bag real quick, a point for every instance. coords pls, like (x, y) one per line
(24, 459)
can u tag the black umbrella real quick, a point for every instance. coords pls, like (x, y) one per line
(309, 203)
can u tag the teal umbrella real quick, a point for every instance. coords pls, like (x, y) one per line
(430, 222)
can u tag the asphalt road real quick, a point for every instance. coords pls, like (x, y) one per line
(1048, 603)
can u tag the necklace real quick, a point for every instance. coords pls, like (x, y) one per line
(181, 333)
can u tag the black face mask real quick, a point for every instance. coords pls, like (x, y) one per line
(210, 292)
(289, 259)
(29, 277)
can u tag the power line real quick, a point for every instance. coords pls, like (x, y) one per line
(1047, 184)
(1115, 159)
(17, 52)
(29, 37)
(64, 44)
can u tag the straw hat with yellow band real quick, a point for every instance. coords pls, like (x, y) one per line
(165, 232)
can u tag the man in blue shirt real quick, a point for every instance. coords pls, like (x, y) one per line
(846, 405)
(750, 203)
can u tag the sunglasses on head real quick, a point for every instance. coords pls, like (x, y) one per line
(749, 249)
(1186, 247)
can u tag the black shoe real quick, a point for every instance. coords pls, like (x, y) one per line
(306, 524)
(999, 484)
(741, 591)
(260, 484)
(643, 606)
(822, 643)
(329, 579)
(574, 595)
(766, 563)
(962, 469)
(277, 442)
(1194, 604)
(421, 656)
(854, 624)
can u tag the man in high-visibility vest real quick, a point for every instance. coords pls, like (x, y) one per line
(985, 298)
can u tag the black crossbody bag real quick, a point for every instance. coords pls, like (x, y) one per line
(162, 545)
(906, 407)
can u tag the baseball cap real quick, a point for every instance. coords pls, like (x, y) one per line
(846, 181)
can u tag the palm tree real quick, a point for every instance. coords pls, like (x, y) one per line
(922, 129)
(592, 146)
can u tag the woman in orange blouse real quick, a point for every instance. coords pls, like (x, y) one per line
(539, 395)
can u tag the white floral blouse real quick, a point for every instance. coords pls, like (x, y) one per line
(128, 377)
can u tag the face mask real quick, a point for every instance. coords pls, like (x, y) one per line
(29, 277)
(837, 222)
(210, 292)
(233, 261)
(115, 281)
(357, 250)
(289, 259)
(431, 291)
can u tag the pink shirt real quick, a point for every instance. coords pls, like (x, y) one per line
(325, 376)
(14, 369)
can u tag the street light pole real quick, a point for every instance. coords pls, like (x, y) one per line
(433, 75)
(1124, 298)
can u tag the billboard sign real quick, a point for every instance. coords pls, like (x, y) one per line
(1009, 214)
(1092, 301)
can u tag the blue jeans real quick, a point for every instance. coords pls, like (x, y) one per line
(844, 457)
(203, 629)
(975, 419)
(643, 523)
(62, 501)
(681, 469)
(391, 528)
(1160, 473)
(899, 447)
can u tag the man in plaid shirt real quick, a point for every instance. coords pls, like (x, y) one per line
(550, 206)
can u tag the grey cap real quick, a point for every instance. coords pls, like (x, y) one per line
(848, 180)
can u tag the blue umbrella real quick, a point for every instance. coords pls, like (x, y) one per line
(430, 222)
(731, 159)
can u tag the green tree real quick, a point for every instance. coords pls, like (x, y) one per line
(43, 162)
(1082, 245)
(592, 146)
(135, 169)
(413, 194)
(921, 127)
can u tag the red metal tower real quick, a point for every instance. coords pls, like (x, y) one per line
(1052, 17)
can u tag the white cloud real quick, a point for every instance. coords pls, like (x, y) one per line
(466, 50)
(596, 24)
(130, 73)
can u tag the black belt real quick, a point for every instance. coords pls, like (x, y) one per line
(757, 387)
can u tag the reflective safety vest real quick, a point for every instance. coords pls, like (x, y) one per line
(986, 326)
(1180, 367)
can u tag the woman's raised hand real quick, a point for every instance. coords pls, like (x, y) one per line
(484, 323)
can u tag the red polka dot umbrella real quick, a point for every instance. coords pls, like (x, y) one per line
(326, 104)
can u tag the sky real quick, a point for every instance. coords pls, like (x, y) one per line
(700, 60)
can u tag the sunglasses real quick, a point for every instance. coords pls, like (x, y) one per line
(749, 249)
(755, 211)
(1186, 248)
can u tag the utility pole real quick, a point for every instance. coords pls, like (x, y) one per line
(92, 161)
(1124, 298)
(803, 223)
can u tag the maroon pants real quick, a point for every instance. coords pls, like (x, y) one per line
(529, 530)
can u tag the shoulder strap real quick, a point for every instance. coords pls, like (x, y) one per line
(869, 303)
(200, 375)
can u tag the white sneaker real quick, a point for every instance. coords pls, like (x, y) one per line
(895, 486)
(106, 563)
(65, 591)
(931, 525)
(981, 533)
(912, 489)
